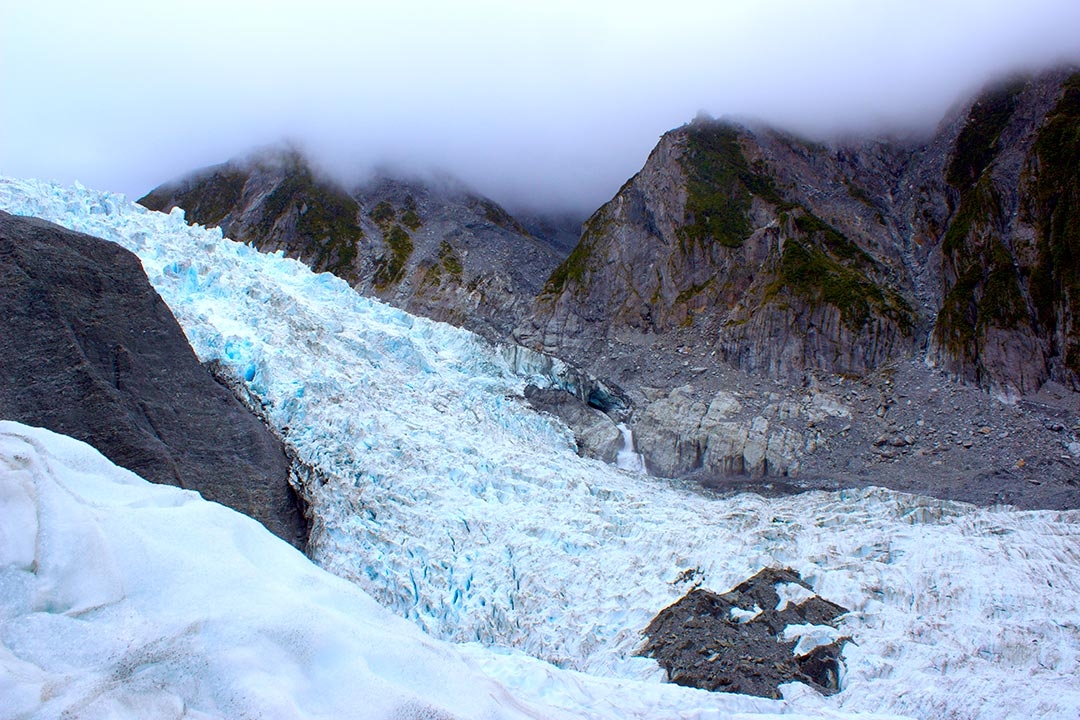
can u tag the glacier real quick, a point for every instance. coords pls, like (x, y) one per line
(443, 496)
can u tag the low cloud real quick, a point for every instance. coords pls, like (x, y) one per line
(553, 105)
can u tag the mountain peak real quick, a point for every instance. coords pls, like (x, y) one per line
(428, 244)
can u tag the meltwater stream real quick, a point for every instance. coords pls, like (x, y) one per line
(628, 458)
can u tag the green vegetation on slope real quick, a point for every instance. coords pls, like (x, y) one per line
(980, 205)
(987, 292)
(207, 200)
(977, 144)
(390, 267)
(326, 221)
(720, 185)
(496, 215)
(382, 214)
(1055, 283)
(411, 220)
(449, 263)
(574, 267)
(824, 266)
(449, 259)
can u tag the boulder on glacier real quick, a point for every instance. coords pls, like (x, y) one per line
(769, 630)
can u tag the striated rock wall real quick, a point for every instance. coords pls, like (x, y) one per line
(792, 258)
(685, 433)
(713, 235)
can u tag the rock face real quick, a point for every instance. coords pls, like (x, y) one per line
(711, 237)
(737, 641)
(742, 255)
(792, 258)
(1009, 249)
(681, 433)
(432, 248)
(89, 349)
(745, 276)
(596, 434)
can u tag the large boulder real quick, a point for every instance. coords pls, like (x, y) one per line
(681, 433)
(769, 630)
(90, 350)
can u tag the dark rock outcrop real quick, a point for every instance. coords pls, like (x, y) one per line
(433, 248)
(702, 643)
(89, 349)
(596, 434)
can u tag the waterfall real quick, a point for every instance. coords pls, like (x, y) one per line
(627, 459)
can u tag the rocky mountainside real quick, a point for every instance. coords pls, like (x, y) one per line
(744, 274)
(791, 258)
(762, 305)
(434, 248)
(89, 349)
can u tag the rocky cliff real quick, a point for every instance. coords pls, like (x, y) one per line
(754, 295)
(743, 274)
(1009, 247)
(792, 258)
(434, 247)
(89, 349)
(717, 239)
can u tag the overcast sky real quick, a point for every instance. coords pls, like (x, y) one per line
(539, 102)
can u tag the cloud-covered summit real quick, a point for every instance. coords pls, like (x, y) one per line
(545, 104)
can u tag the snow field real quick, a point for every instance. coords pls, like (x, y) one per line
(125, 599)
(454, 505)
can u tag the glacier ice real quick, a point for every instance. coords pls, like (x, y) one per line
(140, 601)
(453, 504)
(121, 599)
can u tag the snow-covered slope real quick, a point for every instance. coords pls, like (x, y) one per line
(126, 599)
(456, 506)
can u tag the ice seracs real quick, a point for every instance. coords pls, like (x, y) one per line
(127, 600)
(124, 599)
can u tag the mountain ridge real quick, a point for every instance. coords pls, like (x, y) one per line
(752, 295)
(436, 249)
(773, 306)
(791, 256)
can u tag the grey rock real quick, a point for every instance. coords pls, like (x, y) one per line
(679, 434)
(596, 434)
(89, 349)
(839, 258)
(732, 642)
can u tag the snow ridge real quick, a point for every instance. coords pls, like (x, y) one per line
(456, 506)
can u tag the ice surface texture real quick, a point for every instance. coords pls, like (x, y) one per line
(456, 506)
(126, 599)
(122, 599)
